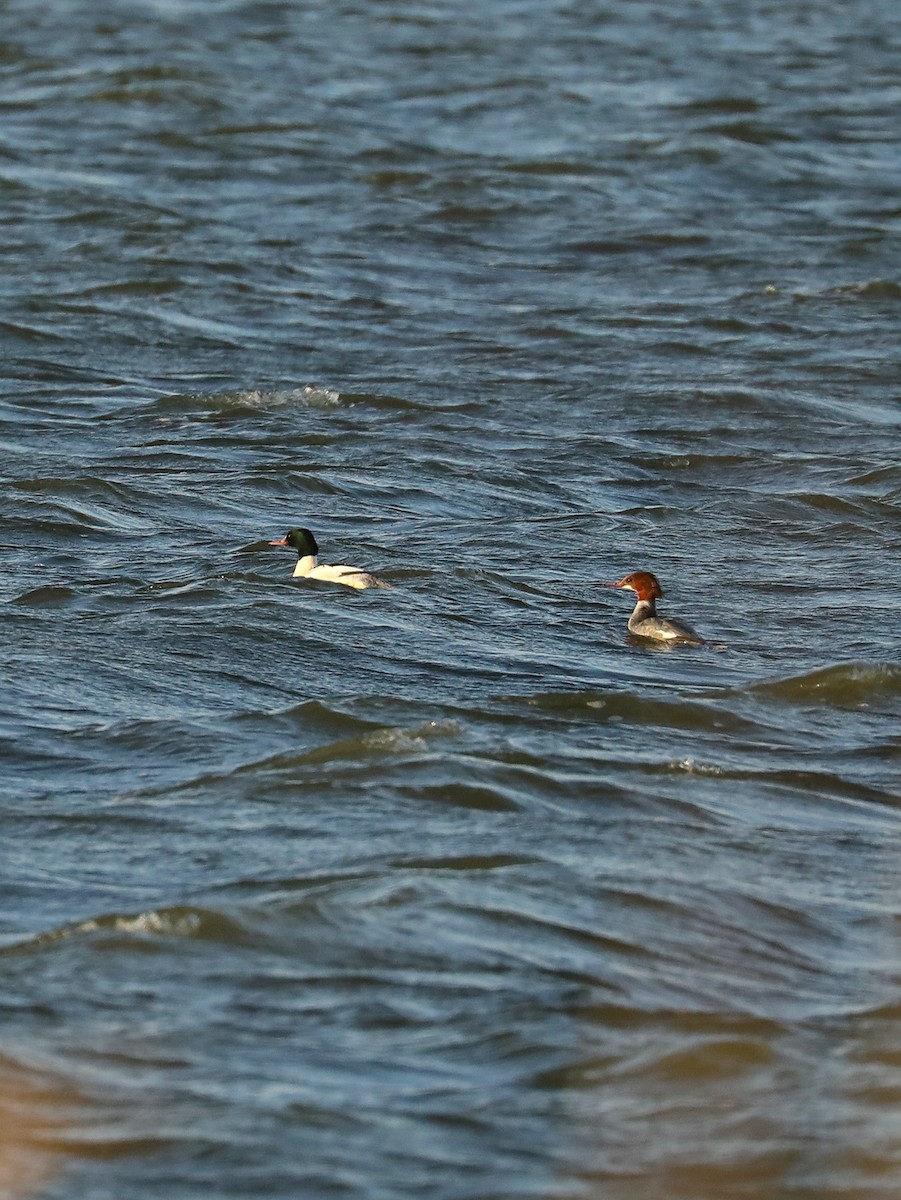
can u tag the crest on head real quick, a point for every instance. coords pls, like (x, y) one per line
(300, 540)
(643, 583)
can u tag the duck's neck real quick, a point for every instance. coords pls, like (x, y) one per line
(305, 564)
(644, 608)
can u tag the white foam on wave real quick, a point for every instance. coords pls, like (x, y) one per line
(310, 395)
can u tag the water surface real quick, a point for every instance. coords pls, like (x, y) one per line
(451, 890)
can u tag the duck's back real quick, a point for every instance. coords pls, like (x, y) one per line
(663, 629)
(349, 576)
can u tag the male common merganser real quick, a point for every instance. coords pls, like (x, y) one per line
(304, 543)
(644, 621)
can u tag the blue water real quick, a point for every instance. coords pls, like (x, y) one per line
(449, 890)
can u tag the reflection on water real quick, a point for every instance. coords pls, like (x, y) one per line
(32, 1130)
(453, 889)
(713, 1104)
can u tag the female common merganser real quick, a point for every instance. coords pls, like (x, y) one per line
(644, 621)
(304, 543)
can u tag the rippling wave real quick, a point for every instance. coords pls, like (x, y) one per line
(453, 888)
(847, 685)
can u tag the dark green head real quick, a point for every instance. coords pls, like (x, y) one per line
(300, 540)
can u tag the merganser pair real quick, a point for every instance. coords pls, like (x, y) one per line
(307, 567)
(644, 621)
